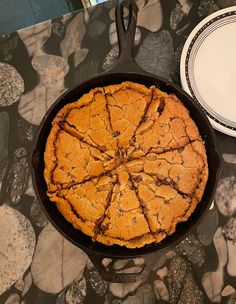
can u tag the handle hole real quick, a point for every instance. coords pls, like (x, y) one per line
(134, 266)
(126, 15)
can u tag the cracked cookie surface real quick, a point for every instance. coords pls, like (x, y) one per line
(125, 164)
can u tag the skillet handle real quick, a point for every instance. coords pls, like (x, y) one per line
(126, 37)
(116, 277)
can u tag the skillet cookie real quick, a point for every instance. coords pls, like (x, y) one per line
(125, 164)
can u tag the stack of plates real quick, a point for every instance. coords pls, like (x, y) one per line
(208, 68)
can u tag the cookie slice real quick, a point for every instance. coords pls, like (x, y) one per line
(69, 161)
(127, 104)
(84, 205)
(167, 126)
(163, 206)
(180, 168)
(124, 221)
(91, 123)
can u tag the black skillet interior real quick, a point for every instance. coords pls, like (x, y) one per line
(125, 69)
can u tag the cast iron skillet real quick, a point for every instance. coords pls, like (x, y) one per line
(124, 69)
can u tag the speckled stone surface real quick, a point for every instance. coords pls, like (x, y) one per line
(40, 63)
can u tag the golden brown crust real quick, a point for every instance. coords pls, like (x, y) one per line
(182, 168)
(124, 217)
(167, 126)
(125, 164)
(127, 104)
(163, 206)
(91, 123)
(84, 204)
(74, 161)
(133, 243)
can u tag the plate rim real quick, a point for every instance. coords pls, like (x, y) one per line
(183, 78)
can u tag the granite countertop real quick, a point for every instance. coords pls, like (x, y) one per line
(37, 265)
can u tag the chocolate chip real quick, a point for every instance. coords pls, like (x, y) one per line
(161, 106)
(104, 227)
(144, 118)
(132, 142)
(103, 148)
(155, 95)
(116, 133)
(158, 183)
(96, 229)
(170, 181)
(61, 123)
(137, 179)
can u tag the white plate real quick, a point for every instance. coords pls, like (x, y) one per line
(208, 68)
